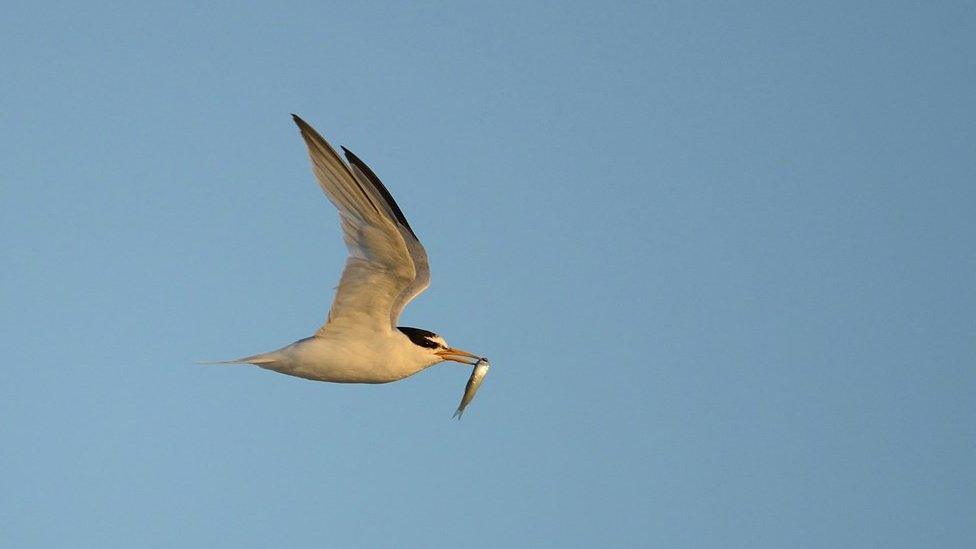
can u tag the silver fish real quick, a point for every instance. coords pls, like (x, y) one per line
(477, 376)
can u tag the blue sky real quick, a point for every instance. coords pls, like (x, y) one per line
(721, 257)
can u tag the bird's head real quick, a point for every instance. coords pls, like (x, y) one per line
(435, 346)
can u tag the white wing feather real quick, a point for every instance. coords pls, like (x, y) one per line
(387, 265)
(418, 254)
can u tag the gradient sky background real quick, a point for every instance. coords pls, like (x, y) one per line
(722, 260)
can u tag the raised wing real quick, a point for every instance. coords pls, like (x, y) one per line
(418, 254)
(387, 265)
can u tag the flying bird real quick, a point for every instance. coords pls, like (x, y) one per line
(360, 341)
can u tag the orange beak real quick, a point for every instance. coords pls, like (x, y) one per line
(457, 355)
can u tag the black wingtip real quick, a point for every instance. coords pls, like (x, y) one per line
(351, 157)
(381, 188)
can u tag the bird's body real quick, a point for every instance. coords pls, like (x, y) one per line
(386, 268)
(348, 356)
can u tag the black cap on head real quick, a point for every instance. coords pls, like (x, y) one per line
(420, 337)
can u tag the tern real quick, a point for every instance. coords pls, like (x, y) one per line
(360, 341)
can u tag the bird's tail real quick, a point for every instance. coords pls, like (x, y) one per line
(263, 358)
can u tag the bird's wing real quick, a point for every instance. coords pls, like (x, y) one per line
(418, 254)
(387, 265)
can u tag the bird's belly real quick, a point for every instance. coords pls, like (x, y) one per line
(337, 363)
(336, 373)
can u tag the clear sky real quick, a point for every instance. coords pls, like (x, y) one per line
(722, 259)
